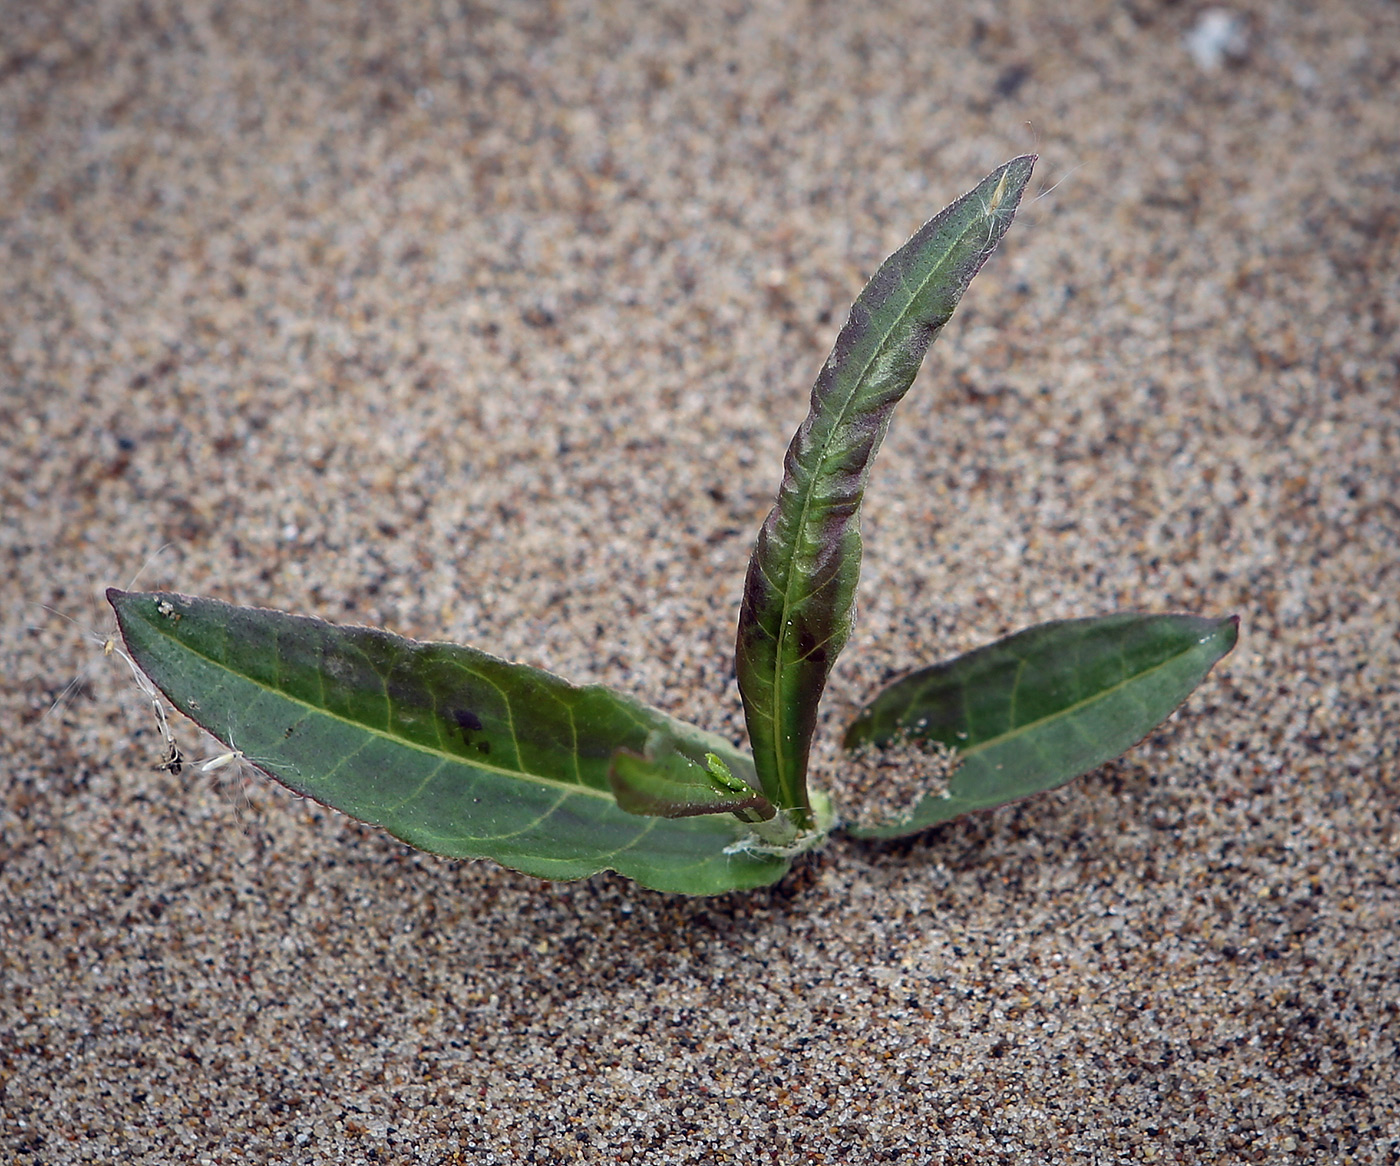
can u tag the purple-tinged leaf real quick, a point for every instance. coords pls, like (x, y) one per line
(799, 595)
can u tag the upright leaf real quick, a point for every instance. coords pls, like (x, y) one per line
(800, 591)
(1040, 707)
(453, 751)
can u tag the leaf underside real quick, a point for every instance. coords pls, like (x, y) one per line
(1040, 707)
(449, 749)
(799, 594)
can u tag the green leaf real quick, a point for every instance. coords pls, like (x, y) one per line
(799, 596)
(1041, 707)
(664, 782)
(450, 749)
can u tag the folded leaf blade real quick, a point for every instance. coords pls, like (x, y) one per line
(799, 594)
(449, 749)
(1041, 707)
(664, 782)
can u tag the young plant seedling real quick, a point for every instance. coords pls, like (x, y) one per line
(463, 754)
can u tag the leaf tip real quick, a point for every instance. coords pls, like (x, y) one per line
(1227, 631)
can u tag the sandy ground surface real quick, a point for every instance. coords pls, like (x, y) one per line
(491, 323)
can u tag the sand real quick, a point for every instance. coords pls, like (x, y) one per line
(491, 323)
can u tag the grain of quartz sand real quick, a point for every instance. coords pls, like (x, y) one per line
(491, 324)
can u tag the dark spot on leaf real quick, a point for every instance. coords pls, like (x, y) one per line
(467, 720)
(483, 747)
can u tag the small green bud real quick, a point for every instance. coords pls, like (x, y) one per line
(722, 779)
